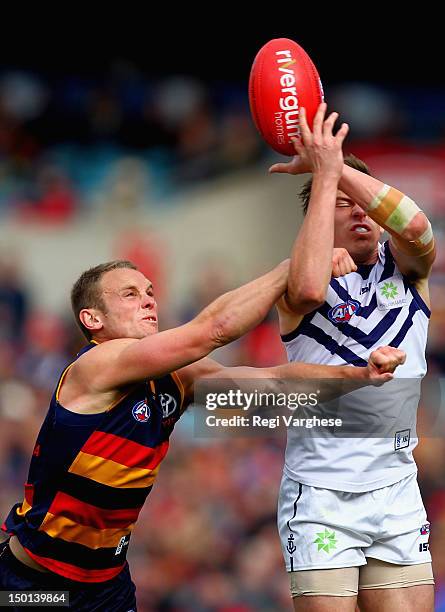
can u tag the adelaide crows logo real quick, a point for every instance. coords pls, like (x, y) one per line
(141, 412)
(342, 313)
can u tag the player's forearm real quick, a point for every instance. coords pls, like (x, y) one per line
(391, 209)
(298, 370)
(327, 381)
(311, 259)
(238, 311)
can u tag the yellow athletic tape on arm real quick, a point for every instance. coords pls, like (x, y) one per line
(416, 248)
(392, 209)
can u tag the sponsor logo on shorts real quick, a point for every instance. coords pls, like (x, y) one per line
(425, 529)
(122, 542)
(291, 548)
(342, 313)
(401, 439)
(326, 541)
(141, 412)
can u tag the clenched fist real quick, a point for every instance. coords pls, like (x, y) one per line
(342, 263)
(383, 362)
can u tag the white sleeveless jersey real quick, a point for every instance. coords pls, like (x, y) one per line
(372, 307)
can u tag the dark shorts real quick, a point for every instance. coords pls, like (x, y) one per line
(116, 595)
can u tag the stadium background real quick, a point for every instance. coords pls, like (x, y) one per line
(148, 152)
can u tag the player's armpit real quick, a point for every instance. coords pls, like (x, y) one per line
(189, 374)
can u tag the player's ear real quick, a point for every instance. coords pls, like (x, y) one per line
(91, 319)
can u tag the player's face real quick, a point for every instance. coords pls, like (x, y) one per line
(355, 231)
(130, 306)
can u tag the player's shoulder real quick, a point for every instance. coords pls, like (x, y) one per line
(101, 368)
(95, 357)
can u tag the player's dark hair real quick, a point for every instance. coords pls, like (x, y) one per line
(86, 292)
(350, 160)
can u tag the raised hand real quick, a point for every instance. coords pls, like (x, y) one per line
(318, 150)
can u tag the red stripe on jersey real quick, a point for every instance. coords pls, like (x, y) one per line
(29, 493)
(92, 516)
(124, 451)
(76, 573)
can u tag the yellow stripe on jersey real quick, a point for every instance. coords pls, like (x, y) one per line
(70, 531)
(25, 507)
(180, 386)
(111, 473)
(62, 378)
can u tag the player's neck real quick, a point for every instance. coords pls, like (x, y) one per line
(367, 258)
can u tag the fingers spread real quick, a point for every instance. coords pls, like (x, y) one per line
(318, 120)
(306, 133)
(342, 133)
(328, 125)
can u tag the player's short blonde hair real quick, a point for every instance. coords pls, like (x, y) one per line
(86, 291)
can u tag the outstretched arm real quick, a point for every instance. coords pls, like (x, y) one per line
(117, 363)
(311, 260)
(381, 366)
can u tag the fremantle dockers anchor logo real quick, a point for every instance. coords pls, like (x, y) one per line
(168, 404)
(291, 548)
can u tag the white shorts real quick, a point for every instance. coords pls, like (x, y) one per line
(323, 528)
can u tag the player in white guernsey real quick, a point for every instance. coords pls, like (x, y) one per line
(352, 523)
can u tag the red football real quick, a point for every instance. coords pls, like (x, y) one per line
(283, 79)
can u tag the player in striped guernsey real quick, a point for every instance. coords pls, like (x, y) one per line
(351, 518)
(108, 426)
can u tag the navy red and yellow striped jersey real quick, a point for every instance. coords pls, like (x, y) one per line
(89, 477)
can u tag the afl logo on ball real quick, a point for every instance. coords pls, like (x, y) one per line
(168, 404)
(141, 412)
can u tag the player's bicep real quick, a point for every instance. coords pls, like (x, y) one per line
(288, 320)
(412, 265)
(117, 363)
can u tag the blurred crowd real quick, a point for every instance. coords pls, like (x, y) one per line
(63, 140)
(206, 540)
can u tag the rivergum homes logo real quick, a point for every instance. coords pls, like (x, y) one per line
(287, 123)
(141, 412)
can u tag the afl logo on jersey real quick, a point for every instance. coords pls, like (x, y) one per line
(342, 313)
(168, 404)
(141, 412)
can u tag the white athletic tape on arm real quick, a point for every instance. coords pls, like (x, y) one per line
(405, 212)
